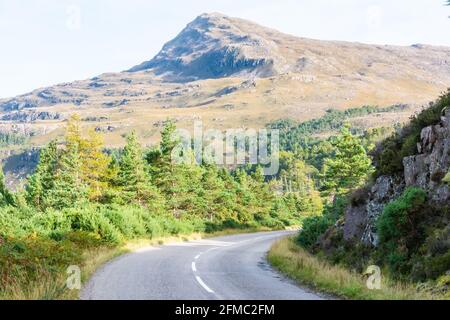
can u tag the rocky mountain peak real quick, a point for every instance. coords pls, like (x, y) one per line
(214, 46)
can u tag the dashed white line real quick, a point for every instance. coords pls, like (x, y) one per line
(194, 268)
(197, 256)
(203, 284)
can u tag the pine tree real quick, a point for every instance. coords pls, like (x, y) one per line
(132, 177)
(95, 165)
(168, 141)
(6, 197)
(350, 166)
(43, 179)
(180, 183)
(212, 195)
(68, 189)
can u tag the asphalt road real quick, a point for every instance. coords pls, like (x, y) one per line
(229, 267)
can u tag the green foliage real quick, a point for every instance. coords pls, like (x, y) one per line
(350, 166)
(396, 219)
(314, 227)
(293, 137)
(6, 197)
(80, 197)
(132, 177)
(390, 153)
(44, 177)
(8, 139)
(399, 229)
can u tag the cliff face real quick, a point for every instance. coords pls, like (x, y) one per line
(425, 170)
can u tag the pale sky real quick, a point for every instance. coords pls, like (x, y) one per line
(46, 42)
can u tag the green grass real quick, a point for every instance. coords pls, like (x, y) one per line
(320, 275)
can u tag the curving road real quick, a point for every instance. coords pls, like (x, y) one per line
(229, 267)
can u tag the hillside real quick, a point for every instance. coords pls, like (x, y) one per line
(230, 73)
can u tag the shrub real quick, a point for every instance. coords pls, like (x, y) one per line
(91, 220)
(389, 154)
(399, 230)
(127, 220)
(397, 219)
(312, 229)
(10, 223)
(29, 258)
(51, 223)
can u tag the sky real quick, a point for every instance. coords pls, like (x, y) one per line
(47, 42)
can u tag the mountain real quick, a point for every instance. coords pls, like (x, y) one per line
(230, 73)
(217, 46)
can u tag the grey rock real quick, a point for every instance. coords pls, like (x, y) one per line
(107, 128)
(229, 90)
(425, 170)
(214, 46)
(118, 103)
(355, 221)
(31, 116)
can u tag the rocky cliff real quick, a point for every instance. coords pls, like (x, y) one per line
(425, 170)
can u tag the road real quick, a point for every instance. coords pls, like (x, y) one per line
(224, 268)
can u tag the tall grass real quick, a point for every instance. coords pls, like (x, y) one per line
(313, 272)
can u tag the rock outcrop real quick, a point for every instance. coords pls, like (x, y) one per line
(216, 46)
(425, 170)
(31, 116)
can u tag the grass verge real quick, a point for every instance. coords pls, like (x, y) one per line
(308, 270)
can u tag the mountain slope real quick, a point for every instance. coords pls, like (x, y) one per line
(231, 73)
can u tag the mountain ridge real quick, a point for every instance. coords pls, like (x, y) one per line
(232, 72)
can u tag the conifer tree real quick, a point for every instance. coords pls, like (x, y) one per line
(95, 167)
(43, 179)
(132, 176)
(349, 167)
(68, 189)
(6, 197)
(180, 183)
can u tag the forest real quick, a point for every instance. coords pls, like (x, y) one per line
(81, 197)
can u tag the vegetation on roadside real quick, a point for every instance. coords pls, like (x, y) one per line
(319, 274)
(413, 232)
(81, 199)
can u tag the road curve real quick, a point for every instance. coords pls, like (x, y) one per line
(224, 268)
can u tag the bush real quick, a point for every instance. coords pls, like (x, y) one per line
(398, 217)
(313, 228)
(389, 154)
(128, 220)
(53, 224)
(11, 224)
(399, 229)
(29, 258)
(91, 220)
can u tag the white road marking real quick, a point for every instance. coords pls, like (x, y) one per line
(201, 243)
(197, 256)
(194, 268)
(203, 284)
